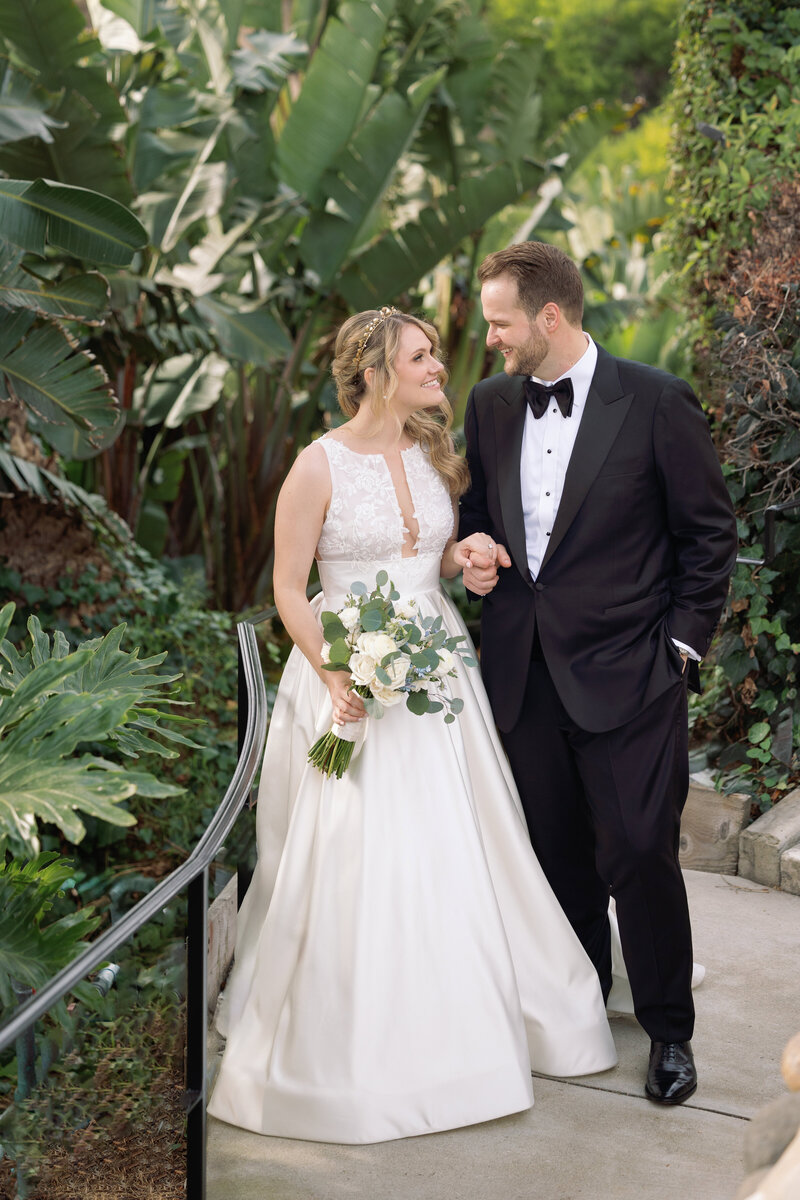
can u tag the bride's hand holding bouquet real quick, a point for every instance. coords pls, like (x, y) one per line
(390, 653)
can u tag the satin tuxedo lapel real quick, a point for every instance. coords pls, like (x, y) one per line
(509, 422)
(605, 412)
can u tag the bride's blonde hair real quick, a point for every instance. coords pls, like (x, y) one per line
(359, 347)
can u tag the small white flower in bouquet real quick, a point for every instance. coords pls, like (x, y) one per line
(392, 653)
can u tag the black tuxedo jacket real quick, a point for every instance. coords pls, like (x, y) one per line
(642, 547)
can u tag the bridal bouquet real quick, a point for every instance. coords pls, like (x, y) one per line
(393, 654)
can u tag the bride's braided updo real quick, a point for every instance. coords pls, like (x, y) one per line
(359, 347)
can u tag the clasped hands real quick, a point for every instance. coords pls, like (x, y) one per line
(480, 557)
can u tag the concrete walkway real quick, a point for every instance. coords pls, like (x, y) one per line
(597, 1138)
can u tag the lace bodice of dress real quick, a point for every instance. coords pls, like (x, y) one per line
(364, 521)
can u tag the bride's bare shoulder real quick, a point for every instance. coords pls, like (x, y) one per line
(310, 470)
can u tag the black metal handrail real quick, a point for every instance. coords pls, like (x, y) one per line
(191, 875)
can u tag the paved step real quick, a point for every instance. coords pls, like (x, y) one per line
(596, 1138)
(762, 843)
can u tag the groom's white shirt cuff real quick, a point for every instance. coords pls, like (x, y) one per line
(684, 649)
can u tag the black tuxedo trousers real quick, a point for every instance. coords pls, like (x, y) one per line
(585, 682)
(603, 812)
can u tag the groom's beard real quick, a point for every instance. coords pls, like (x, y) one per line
(527, 358)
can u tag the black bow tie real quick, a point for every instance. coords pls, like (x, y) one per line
(538, 395)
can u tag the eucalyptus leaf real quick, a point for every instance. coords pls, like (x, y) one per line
(417, 702)
(340, 652)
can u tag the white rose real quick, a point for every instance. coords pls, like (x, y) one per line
(397, 670)
(385, 695)
(446, 661)
(325, 652)
(376, 645)
(350, 617)
(406, 610)
(362, 668)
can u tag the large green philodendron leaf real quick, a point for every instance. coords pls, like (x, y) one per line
(63, 387)
(23, 108)
(79, 221)
(362, 175)
(77, 298)
(55, 791)
(32, 948)
(397, 260)
(331, 99)
(52, 703)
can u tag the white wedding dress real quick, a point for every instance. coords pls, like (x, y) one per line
(401, 962)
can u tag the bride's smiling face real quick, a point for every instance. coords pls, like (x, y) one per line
(418, 372)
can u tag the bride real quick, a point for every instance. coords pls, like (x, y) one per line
(401, 962)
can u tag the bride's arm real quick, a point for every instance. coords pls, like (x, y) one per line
(299, 516)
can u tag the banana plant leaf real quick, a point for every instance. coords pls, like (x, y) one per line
(142, 15)
(62, 386)
(254, 337)
(79, 221)
(362, 175)
(266, 60)
(397, 260)
(182, 387)
(24, 476)
(331, 100)
(48, 35)
(23, 108)
(78, 298)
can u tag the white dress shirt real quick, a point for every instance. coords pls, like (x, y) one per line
(547, 445)
(546, 450)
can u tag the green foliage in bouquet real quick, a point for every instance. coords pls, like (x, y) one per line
(390, 651)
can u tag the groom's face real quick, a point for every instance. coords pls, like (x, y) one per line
(520, 339)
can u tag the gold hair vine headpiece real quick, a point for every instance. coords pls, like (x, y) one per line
(368, 332)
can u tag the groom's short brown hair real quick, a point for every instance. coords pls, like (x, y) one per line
(542, 273)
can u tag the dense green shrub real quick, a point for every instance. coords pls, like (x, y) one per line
(733, 233)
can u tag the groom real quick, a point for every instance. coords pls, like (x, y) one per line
(598, 481)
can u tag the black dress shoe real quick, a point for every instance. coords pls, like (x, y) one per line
(671, 1073)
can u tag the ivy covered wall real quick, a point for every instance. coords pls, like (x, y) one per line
(736, 195)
